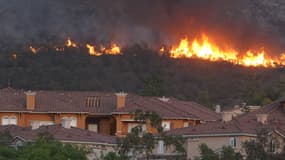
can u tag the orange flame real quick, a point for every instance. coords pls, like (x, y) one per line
(92, 50)
(114, 50)
(69, 43)
(209, 51)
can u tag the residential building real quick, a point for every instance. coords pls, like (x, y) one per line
(105, 113)
(97, 144)
(233, 131)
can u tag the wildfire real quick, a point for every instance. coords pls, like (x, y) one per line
(207, 50)
(69, 43)
(34, 50)
(202, 48)
(113, 50)
(92, 50)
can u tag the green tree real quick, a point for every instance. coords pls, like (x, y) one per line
(228, 153)
(153, 86)
(207, 153)
(141, 143)
(45, 147)
(113, 156)
(204, 98)
(254, 150)
(6, 152)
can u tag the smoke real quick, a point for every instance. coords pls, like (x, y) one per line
(153, 22)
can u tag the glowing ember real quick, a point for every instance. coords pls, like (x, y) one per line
(34, 50)
(14, 56)
(162, 49)
(69, 43)
(207, 50)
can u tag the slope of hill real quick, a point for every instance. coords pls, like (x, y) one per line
(143, 71)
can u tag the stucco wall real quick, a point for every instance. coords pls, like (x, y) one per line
(215, 143)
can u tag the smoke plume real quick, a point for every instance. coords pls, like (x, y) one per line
(241, 24)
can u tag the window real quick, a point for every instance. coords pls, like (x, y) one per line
(160, 148)
(46, 123)
(166, 126)
(186, 124)
(9, 120)
(233, 142)
(93, 127)
(73, 121)
(272, 146)
(133, 125)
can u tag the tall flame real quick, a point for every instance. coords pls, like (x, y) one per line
(209, 51)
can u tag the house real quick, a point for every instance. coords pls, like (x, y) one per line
(234, 131)
(96, 144)
(105, 113)
(174, 113)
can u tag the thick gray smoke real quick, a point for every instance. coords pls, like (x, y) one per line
(243, 23)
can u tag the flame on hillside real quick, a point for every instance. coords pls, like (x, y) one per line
(198, 48)
(204, 49)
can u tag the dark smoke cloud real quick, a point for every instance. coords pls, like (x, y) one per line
(153, 22)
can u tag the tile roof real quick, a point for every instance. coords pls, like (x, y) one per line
(59, 133)
(58, 101)
(75, 101)
(172, 109)
(244, 124)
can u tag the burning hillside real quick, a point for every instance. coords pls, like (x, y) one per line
(253, 38)
(201, 48)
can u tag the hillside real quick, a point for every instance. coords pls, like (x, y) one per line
(140, 70)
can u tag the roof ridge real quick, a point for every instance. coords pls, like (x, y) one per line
(172, 107)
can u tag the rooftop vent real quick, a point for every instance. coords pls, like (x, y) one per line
(227, 116)
(93, 101)
(262, 118)
(218, 108)
(164, 99)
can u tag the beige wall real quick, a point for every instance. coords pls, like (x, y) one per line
(215, 143)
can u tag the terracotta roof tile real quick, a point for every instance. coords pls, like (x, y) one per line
(245, 124)
(75, 101)
(59, 133)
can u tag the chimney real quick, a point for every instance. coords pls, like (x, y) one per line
(35, 124)
(66, 123)
(30, 100)
(262, 118)
(121, 99)
(218, 109)
(227, 116)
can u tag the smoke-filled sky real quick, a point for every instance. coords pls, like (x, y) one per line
(242, 23)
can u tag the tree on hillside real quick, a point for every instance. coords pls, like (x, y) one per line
(153, 86)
